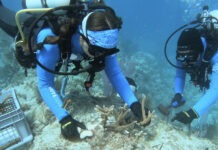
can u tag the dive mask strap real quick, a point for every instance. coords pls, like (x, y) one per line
(99, 52)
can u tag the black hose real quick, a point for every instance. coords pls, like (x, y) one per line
(71, 7)
(168, 39)
(32, 34)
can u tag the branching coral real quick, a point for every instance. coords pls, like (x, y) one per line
(66, 103)
(145, 118)
(120, 123)
(105, 112)
(121, 116)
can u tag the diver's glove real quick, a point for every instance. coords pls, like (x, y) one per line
(69, 127)
(136, 108)
(185, 117)
(177, 100)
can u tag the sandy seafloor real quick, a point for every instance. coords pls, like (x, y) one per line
(156, 84)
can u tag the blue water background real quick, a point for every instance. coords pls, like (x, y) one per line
(14, 5)
(146, 26)
(149, 23)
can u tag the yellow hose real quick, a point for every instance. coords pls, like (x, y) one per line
(18, 23)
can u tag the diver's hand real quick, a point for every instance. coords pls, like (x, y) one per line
(136, 108)
(69, 127)
(177, 100)
(185, 117)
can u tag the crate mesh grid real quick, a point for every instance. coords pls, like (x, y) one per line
(9, 136)
(7, 106)
(14, 129)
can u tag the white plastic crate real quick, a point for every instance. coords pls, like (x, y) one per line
(14, 129)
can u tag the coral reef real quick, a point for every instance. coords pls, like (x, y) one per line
(158, 135)
(123, 117)
(109, 129)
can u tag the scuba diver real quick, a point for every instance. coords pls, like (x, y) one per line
(70, 35)
(197, 56)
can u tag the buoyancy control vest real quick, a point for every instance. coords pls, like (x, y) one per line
(206, 24)
(60, 20)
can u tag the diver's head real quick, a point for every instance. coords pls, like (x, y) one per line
(99, 32)
(189, 47)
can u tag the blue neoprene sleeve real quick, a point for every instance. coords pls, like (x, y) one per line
(48, 56)
(179, 82)
(118, 80)
(211, 95)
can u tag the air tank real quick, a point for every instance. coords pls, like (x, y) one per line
(45, 3)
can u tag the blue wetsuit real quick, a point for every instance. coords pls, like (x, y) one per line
(49, 55)
(211, 95)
